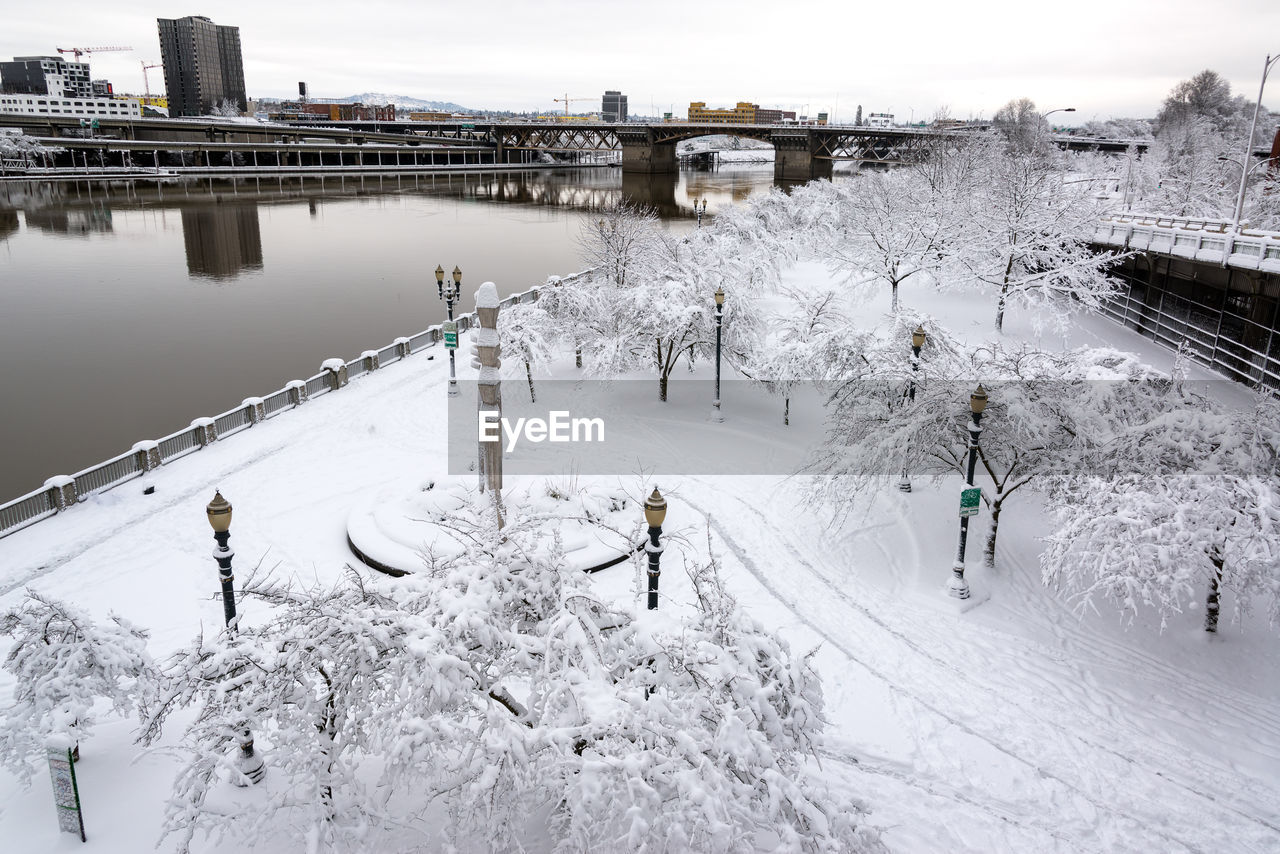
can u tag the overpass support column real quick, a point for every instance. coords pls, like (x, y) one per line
(649, 158)
(795, 161)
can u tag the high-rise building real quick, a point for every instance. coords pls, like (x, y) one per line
(202, 65)
(613, 107)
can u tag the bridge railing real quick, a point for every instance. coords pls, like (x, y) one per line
(1210, 240)
(62, 492)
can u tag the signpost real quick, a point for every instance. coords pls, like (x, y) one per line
(969, 500)
(451, 334)
(66, 794)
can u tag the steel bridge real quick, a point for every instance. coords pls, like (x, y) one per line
(802, 151)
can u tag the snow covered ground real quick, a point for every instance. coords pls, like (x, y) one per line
(1015, 725)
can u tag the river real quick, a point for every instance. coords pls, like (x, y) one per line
(129, 308)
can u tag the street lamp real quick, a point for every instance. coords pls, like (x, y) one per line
(219, 513)
(699, 211)
(958, 587)
(1248, 145)
(1045, 118)
(718, 416)
(449, 295)
(917, 341)
(655, 510)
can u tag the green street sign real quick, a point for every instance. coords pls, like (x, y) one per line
(451, 334)
(969, 501)
(468, 127)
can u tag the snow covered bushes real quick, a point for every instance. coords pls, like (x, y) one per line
(64, 663)
(1186, 504)
(495, 696)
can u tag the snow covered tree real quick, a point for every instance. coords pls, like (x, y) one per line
(622, 241)
(1022, 126)
(892, 228)
(527, 332)
(1045, 412)
(1189, 176)
(1029, 235)
(1185, 501)
(63, 663)
(800, 346)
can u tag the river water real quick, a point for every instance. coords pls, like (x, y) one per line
(129, 308)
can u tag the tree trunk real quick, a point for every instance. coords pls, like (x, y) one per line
(662, 375)
(1211, 605)
(1000, 309)
(894, 303)
(989, 552)
(528, 372)
(577, 357)
(786, 413)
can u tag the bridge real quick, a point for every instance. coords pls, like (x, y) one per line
(802, 152)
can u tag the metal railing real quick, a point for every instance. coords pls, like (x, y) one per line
(60, 493)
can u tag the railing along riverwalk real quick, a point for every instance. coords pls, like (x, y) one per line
(1211, 241)
(65, 491)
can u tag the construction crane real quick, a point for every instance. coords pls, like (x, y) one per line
(146, 84)
(566, 100)
(82, 50)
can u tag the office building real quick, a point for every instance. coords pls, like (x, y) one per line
(45, 75)
(85, 108)
(613, 107)
(202, 65)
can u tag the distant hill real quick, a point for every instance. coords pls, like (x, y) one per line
(404, 102)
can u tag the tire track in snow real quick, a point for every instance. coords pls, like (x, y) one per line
(763, 578)
(1223, 780)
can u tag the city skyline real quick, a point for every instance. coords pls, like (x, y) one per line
(1103, 59)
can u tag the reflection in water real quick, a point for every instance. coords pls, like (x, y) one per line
(75, 222)
(222, 240)
(351, 261)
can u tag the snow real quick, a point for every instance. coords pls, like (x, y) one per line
(1018, 725)
(487, 296)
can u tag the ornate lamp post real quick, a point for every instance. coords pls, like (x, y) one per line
(718, 416)
(449, 294)
(958, 587)
(917, 341)
(655, 510)
(219, 513)
(699, 208)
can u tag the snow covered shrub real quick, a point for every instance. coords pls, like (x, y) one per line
(64, 663)
(495, 696)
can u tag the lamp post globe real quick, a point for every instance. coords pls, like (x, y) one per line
(655, 511)
(440, 281)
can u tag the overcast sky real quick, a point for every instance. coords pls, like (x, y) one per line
(1106, 58)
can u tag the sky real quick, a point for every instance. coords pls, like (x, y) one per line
(1105, 58)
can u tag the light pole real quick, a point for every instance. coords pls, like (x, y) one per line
(219, 513)
(699, 210)
(917, 341)
(958, 587)
(655, 510)
(1044, 117)
(449, 295)
(1248, 145)
(717, 415)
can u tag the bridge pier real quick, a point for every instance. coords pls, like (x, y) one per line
(649, 157)
(794, 160)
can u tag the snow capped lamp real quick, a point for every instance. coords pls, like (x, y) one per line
(457, 278)
(720, 295)
(440, 281)
(716, 414)
(655, 510)
(917, 339)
